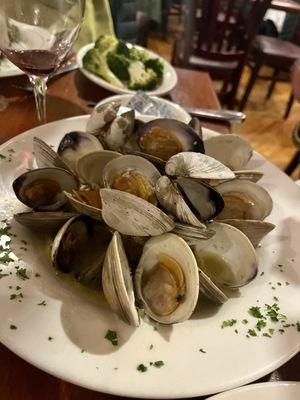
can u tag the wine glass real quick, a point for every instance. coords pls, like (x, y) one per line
(37, 36)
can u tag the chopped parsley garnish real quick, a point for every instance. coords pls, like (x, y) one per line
(261, 324)
(22, 273)
(43, 303)
(142, 368)
(2, 157)
(262, 273)
(50, 338)
(3, 275)
(271, 331)
(5, 258)
(252, 332)
(16, 296)
(275, 298)
(229, 322)
(151, 347)
(236, 331)
(255, 312)
(112, 337)
(82, 351)
(267, 335)
(287, 283)
(202, 351)
(245, 321)
(37, 275)
(24, 241)
(158, 364)
(298, 326)
(278, 283)
(11, 151)
(13, 327)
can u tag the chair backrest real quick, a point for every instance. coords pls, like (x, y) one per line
(224, 29)
(295, 79)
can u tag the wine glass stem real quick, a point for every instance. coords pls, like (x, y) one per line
(40, 87)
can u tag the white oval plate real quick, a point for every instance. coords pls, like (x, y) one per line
(176, 111)
(168, 83)
(9, 69)
(263, 391)
(78, 319)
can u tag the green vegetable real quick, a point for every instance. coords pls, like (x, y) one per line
(112, 337)
(158, 364)
(229, 322)
(140, 78)
(255, 312)
(142, 368)
(21, 273)
(118, 64)
(122, 65)
(156, 65)
(252, 332)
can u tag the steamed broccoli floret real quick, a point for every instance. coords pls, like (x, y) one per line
(141, 79)
(123, 49)
(137, 55)
(95, 62)
(106, 43)
(118, 64)
(156, 65)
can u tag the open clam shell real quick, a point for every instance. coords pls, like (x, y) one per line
(90, 166)
(117, 282)
(171, 199)
(42, 188)
(79, 247)
(205, 201)
(210, 290)
(75, 144)
(167, 262)
(100, 117)
(228, 258)
(118, 131)
(192, 234)
(244, 200)
(84, 208)
(43, 221)
(196, 165)
(45, 156)
(164, 137)
(253, 229)
(231, 150)
(132, 174)
(249, 175)
(131, 215)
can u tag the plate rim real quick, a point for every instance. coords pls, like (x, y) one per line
(51, 370)
(241, 389)
(106, 85)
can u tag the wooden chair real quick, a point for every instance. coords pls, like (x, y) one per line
(218, 35)
(275, 53)
(295, 81)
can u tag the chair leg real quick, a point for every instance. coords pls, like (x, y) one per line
(272, 84)
(293, 164)
(289, 106)
(253, 77)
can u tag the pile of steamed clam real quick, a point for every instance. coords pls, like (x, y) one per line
(142, 208)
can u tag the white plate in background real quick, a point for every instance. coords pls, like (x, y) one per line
(168, 83)
(263, 391)
(177, 112)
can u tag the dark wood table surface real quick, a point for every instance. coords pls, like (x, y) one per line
(69, 96)
(288, 6)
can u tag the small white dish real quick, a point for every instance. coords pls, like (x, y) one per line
(177, 112)
(168, 83)
(263, 391)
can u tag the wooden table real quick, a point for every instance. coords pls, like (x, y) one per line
(69, 96)
(288, 6)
